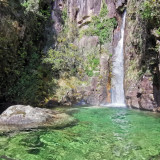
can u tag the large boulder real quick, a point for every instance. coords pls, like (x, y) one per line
(19, 117)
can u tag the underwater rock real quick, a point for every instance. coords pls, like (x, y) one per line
(19, 117)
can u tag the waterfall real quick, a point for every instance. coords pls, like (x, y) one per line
(118, 70)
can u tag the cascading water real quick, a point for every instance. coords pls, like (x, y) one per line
(118, 70)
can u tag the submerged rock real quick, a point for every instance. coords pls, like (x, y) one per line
(19, 117)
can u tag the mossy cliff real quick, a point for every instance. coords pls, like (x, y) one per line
(93, 27)
(142, 55)
(82, 54)
(61, 51)
(54, 50)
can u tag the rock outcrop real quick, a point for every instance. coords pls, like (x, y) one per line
(81, 11)
(80, 14)
(20, 117)
(141, 62)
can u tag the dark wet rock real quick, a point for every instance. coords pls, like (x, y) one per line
(52, 103)
(21, 117)
(142, 95)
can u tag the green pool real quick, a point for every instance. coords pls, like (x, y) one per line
(100, 134)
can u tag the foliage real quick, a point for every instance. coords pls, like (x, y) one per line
(31, 5)
(36, 6)
(149, 21)
(101, 26)
(151, 14)
(91, 64)
(66, 59)
(151, 10)
(64, 14)
(66, 85)
(23, 76)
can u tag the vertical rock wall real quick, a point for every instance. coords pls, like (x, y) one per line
(141, 75)
(81, 12)
(141, 78)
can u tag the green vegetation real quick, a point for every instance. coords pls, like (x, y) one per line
(91, 64)
(36, 6)
(64, 60)
(28, 75)
(23, 76)
(151, 14)
(101, 26)
(151, 11)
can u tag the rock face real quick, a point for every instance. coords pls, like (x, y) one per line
(25, 117)
(80, 13)
(57, 8)
(82, 10)
(141, 67)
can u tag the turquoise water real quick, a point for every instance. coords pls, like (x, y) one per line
(100, 134)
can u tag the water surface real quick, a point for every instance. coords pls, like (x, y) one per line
(101, 134)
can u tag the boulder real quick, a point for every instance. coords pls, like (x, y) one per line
(19, 117)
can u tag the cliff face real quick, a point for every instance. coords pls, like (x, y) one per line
(141, 62)
(77, 46)
(79, 15)
(81, 11)
(141, 59)
(94, 29)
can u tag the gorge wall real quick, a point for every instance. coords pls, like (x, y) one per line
(94, 25)
(142, 55)
(61, 51)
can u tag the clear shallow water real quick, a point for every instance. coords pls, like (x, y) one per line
(101, 134)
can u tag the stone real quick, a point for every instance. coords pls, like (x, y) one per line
(141, 75)
(111, 8)
(56, 15)
(81, 11)
(19, 117)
